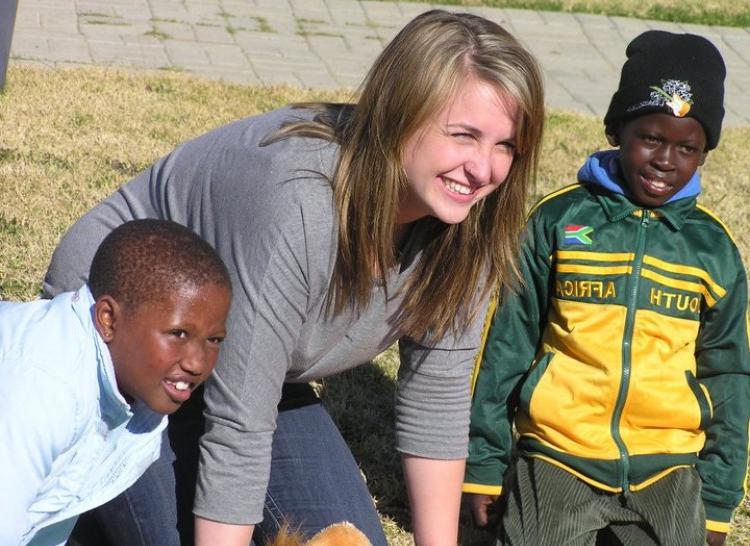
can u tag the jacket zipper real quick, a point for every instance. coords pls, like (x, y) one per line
(627, 342)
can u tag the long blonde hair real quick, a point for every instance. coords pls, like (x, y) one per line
(414, 77)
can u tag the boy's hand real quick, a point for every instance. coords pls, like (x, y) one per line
(484, 510)
(714, 538)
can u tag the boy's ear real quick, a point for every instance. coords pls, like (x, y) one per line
(703, 158)
(612, 133)
(106, 314)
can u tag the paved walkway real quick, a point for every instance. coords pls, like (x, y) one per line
(331, 43)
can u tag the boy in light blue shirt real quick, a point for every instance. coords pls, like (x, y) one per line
(88, 377)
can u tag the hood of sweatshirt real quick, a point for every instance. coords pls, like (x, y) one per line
(603, 169)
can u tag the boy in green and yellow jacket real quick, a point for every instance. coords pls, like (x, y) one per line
(623, 360)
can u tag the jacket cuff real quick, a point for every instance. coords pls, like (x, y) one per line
(718, 526)
(484, 478)
(718, 517)
(482, 489)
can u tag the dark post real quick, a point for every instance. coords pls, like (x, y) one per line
(7, 20)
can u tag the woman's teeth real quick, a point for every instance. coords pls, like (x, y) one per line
(181, 385)
(456, 187)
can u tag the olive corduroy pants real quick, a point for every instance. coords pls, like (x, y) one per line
(547, 506)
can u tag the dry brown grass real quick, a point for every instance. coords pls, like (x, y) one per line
(69, 137)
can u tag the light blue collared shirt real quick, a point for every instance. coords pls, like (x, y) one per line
(70, 440)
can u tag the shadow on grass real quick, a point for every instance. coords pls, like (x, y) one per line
(361, 402)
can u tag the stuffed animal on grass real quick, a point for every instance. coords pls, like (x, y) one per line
(339, 534)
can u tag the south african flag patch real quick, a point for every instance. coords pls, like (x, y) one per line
(578, 235)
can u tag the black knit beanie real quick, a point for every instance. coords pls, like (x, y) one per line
(679, 74)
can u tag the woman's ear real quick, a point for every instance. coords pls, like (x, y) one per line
(612, 139)
(106, 314)
(703, 158)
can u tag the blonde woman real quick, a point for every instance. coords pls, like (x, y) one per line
(345, 228)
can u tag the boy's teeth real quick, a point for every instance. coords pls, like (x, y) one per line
(455, 187)
(182, 385)
(660, 185)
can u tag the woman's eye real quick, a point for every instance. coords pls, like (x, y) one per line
(179, 333)
(215, 340)
(462, 136)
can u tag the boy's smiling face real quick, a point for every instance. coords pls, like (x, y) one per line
(659, 154)
(162, 350)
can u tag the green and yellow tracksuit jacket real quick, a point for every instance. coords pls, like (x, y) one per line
(625, 354)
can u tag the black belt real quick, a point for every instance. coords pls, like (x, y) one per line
(297, 395)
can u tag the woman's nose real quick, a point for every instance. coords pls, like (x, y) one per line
(479, 167)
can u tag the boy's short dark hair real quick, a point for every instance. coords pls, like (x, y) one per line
(142, 261)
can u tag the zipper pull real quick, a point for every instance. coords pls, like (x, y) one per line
(645, 218)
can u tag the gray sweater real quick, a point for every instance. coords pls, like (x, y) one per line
(269, 213)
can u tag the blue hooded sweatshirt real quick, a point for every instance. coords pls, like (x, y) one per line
(603, 168)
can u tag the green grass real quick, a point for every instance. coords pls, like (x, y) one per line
(303, 32)
(158, 34)
(166, 20)
(733, 13)
(310, 21)
(263, 24)
(70, 137)
(95, 18)
(107, 22)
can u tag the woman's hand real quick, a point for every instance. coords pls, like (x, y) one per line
(213, 533)
(483, 509)
(434, 488)
(714, 538)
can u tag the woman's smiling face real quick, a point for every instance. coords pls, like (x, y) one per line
(461, 155)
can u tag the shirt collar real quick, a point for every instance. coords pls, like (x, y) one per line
(115, 410)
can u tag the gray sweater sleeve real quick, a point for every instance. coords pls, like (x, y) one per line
(433, 391)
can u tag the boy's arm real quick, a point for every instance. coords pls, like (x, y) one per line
(723, 368)
(511, 345)
(714, 538)
(484, 510)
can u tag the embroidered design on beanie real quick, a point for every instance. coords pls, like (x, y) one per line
(678, 74)
(674, 94)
